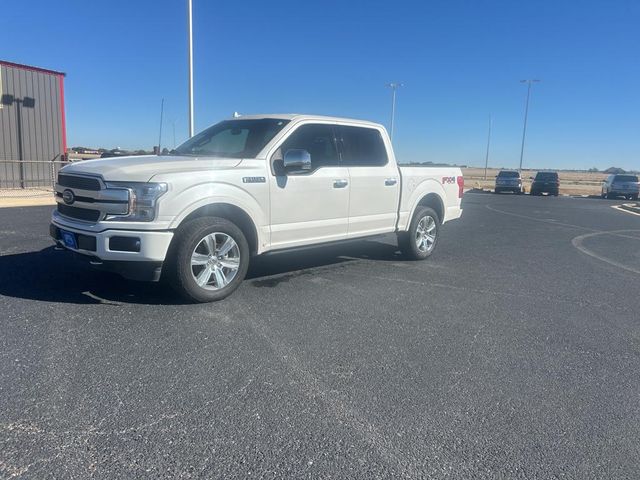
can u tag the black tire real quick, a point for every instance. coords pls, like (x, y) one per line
(178, 268)
(407, 240)
(497, 190)
(634, 197)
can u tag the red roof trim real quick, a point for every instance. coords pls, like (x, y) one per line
(29, 67)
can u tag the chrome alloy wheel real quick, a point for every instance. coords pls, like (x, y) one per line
(426, 234)
(215, 261)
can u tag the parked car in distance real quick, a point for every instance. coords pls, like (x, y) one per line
(244, 187)
(545, 182)
(621, 186)
(509, 181)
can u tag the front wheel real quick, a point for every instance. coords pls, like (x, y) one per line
(208, 259)
(421, 239)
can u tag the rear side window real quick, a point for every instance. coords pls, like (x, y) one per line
(318, 140)
(361, 147)
(625, 178)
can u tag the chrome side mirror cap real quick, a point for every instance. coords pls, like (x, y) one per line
(297, 159)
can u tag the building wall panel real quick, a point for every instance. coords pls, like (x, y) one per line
(31, 129)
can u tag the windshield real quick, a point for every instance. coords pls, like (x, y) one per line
(625, 178)
(233, 138)
(505, 174)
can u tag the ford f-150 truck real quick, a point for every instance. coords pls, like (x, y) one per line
(247, 186)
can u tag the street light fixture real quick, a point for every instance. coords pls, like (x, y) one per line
(526, 113)
(394, 86)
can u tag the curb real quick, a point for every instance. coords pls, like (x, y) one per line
(27, 202)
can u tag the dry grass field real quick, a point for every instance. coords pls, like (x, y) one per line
(571, 182)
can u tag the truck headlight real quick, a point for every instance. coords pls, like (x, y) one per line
(142, 200)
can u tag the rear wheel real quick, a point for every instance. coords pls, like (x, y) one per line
(208, 259)
(421, 239)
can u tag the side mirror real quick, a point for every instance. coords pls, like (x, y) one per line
(297, 159)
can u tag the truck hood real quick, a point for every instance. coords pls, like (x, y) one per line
(142, 168)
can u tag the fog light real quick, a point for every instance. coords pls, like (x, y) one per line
(124, 244)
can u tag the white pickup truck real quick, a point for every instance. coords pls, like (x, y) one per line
(244, 187)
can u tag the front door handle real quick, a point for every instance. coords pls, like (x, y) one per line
(389, 182)
(341, 183)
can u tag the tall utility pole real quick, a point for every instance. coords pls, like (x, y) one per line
(526, 113)
(394, 87)
(190, 15)
(173, 124)
(160, 135)
(486, 157)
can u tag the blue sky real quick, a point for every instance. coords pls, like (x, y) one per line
(460, 61)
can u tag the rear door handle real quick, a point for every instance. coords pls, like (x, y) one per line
(341, 183)
(389, 182)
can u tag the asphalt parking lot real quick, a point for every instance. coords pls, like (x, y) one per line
(514, 352)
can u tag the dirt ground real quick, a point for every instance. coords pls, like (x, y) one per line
(571, 183)
(26, 197)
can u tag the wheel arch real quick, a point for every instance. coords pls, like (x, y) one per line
(230, 212)
(433, 201)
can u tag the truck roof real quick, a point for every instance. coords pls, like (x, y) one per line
(300, 116)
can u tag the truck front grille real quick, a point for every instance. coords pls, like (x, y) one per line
(82, 183)
(86, 198)
(88, 215)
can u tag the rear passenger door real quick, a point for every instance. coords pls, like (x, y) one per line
(375, 183)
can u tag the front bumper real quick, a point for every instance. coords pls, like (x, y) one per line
(103, 250)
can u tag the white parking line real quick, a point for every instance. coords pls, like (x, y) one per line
(577, 242)
(620, 209)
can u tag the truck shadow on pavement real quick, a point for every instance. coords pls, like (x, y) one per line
(57, 276)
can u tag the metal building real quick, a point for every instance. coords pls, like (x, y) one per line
(32, 125)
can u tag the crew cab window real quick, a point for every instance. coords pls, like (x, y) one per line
(362, 147)
(318, 140)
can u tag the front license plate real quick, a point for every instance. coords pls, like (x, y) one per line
(69, 239)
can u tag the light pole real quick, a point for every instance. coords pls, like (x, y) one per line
(160, 135)
(190, 21)
(394, 87)
(486, 157)
(526, 113)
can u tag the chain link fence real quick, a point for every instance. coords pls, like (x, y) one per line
(28, 178)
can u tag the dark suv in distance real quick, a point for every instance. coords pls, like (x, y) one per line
(546, 182)
(621, 186)
(508, 181)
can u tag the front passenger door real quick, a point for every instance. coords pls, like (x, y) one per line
(313, 206)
